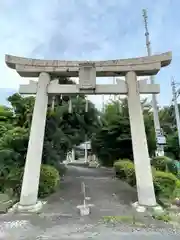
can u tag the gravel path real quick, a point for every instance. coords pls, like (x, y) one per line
(60, 218)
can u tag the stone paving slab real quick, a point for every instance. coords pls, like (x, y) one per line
(25, 229)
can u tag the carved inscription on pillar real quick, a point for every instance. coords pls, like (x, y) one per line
(87, 76)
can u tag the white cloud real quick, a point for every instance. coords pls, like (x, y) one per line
(81, 29)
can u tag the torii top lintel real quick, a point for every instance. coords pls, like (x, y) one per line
(28, 67)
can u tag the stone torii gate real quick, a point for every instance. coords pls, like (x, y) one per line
(87, 72)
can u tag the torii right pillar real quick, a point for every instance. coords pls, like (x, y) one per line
(144, 181)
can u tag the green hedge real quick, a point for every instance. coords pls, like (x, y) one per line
(125, 170)
(176, 193)
(178, 175)
(160, 163)
(165, 164)
(49, 180)
(164, 182)
(172, 167)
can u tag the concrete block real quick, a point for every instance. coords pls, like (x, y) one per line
(84, 210)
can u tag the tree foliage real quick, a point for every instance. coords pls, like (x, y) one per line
(113, 140)
(109, 131)
(63, 129)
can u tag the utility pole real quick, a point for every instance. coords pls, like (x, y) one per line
(114, 82)
(175, 95)
(158, 131)
(103, 104)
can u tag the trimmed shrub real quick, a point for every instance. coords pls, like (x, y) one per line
(160, 163)
(178, 175)
(125, 170)
(172, 167)
(176, 193)
(178, 184)
(49, 180)
(126, 159)
(164, 183)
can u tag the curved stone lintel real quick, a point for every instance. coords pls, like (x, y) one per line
(28, 67)
(101, 71)
(164, 58)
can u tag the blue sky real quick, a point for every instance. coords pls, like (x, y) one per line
(81, 29)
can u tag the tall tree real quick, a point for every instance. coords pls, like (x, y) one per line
(63, 129)
(113, 139)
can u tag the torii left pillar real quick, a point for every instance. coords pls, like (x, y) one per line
(29, 191)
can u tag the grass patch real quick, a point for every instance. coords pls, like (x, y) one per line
(164, 217)
(122, 219)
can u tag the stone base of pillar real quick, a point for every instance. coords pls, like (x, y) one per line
(157, 209)
(27, 209)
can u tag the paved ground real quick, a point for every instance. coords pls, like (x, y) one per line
(60, 218)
